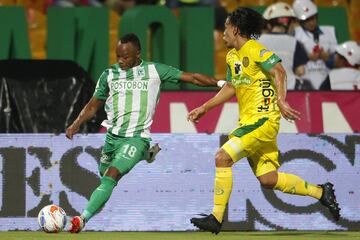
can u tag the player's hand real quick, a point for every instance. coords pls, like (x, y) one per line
(314, 56)
(72, 130)
(288, 112)
(324, 55)
(196, 114)
(220, 83)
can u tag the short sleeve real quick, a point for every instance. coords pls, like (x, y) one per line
(230, 59)
(228, 73)
(168, 73)
(265, 58)
(102, 88)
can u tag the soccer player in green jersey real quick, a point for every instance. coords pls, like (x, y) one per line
(130, 90)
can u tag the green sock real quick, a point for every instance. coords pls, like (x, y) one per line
(99, 197)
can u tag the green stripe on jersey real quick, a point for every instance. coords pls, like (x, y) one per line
(128, 104)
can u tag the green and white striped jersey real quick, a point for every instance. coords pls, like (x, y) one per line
(132, 95)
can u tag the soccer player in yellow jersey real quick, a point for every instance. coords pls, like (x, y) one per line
(257, 78)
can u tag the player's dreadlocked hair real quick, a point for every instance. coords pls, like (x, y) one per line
(249, 22)
(131, 37)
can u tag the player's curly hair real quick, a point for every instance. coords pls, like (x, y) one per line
(249, 22)
(131, 37)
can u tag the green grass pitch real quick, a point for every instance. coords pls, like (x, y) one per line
(268, 235)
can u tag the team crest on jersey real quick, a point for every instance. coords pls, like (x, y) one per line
(140, 72)
(245, 61)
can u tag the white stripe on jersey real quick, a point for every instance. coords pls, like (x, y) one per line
(135, 108)
(121, 104)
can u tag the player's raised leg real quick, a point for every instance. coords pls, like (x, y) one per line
(97, 200)
(127, 154)
(292, 184)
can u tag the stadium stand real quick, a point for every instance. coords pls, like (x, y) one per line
(346, 24)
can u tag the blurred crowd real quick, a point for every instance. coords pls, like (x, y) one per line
(311, 53)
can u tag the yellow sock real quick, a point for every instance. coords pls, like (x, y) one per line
(222, 191)
(289, 183)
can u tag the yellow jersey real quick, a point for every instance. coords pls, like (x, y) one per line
(255, 88)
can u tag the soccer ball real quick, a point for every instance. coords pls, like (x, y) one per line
(52, 219)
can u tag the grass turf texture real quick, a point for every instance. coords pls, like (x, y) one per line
(268, 235)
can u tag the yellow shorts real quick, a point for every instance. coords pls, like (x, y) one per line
(257, 142)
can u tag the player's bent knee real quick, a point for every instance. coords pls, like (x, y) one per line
(223, 159)
(268, 184)
(268, 180)
(113, 173)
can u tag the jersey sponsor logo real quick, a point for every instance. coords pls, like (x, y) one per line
(263, 51)
(241, 79)
(237, 67)
(267, 93)
(129, 85)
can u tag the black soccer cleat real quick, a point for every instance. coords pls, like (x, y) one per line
(208, 223)
(328, 199)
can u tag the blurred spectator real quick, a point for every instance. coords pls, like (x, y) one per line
(182, 3)
(76, 3)
(319, 41)
(280, 20)
(346, 72)
(228, 5)
(149, 2)
(120, 6)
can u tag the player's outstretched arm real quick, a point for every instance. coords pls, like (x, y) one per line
(286, 110)
(222, 96)
(86, 113)
(198, 79)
